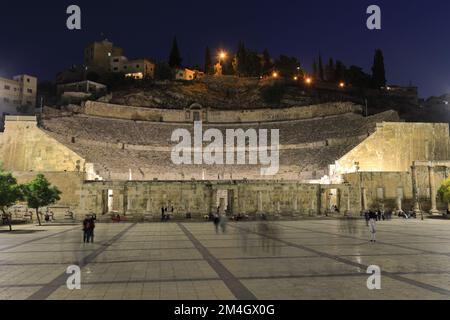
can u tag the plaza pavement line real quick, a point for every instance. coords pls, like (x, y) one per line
(391, 275)
(38, 239)
(359, 238)
(236, 287)
(45, 291)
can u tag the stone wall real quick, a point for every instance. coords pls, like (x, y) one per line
(387, 188)
(140, 199)
(394, 146)
(101, 109)
(24, 147)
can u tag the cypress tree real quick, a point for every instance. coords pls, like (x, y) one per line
(378, 71)
(267, 62)
(321, 73)
(175, 56)
(315, 71)
(209, 68)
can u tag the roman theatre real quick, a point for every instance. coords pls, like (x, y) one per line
(108, 158)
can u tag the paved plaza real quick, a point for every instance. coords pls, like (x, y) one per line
(310, 259)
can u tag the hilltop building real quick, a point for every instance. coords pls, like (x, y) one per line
(18, 95)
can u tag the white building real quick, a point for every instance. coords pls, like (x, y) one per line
(187, 74)
(18, 95)
(137, 69)
(82, 86)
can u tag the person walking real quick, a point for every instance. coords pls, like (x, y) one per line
(223, 222)
(366, 217)
(91, 230)
(372, 226)
(86, 228)
(216, 221)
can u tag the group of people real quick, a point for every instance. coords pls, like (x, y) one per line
(220, 221)
(379, 215)
(166, 213)
(407, 215)
(88, 228)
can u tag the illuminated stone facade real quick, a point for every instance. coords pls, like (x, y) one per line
(393, 165)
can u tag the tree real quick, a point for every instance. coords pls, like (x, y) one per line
(444, 192)
(339, 74)
(378, 71)
(241, 60)
(321, 72)
(287, 66)
(254, 64)
(315, 70)
(39, 193)
(330, 71)
(175, 56)
(209, 67)
(163, 71)
(10, 193)
(267, 64)
(357, 77)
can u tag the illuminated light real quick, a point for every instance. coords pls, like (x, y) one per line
(136, 75)
(222, 55)
(308, 80)
(275, 74)
(341, 85)
(295, 78)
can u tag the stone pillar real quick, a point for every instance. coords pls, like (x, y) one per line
(259, 202)
(415, 189)
(213, 205)
(433, 210)
(364, 199)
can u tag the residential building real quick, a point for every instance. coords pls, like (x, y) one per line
(97, 55)
(137, 69)
(78, 92)
(18, 95)
(82, 86)
(187, 74)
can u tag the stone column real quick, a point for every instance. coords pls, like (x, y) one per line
(415, 189)
(433, 210)
(213, 205)
(364, 199)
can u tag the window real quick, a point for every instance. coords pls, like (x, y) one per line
(137, 66)
(115, 68)
(6, 100)
(28, 80)
(30, 90)
(116, 60)
(7, 87)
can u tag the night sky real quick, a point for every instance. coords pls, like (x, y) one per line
(414, 35)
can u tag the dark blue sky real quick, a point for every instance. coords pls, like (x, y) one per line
(414, 38)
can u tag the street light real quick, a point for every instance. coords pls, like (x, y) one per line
(308, 80)
(275, 74)
(341, 84)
